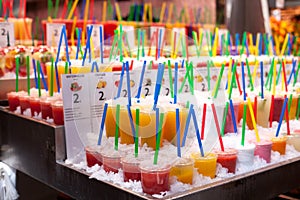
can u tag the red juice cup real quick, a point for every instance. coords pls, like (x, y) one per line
(13, 100)
(35, 105)
(154, 178)
(263, 150)
(227, 159)
(24, 102)
(111, 161)
(93, 156)
(58, 112)
(46, 108)
(278, 103)
(131, 170)
(229, 128)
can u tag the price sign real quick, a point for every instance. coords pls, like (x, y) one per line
(53, 34)
(7, 31)
(77, 112)
(166, 87)
(182, 82)
(96, 34)
(148, 83)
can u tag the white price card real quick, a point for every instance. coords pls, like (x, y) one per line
(100, 91)
(148, 83)
(7, 32)
(166, 87)
(77, 114)
(183, 83)
(53, 34)
(96, 34)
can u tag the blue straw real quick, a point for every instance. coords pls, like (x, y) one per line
(273, 45)
(43, 77)
(281, 116)
(59, 45)
(128, 83)
(35, 77)
(159, 42)
(101, 44)
(187, 124)
(237, 43)
(141, 80)
(182, 64)
(78, 43)
(178, 132)
(197, 132)
(82, 9)
(232, 115)
(160, 73)
(131, 121)
(121, 81)
(175, 82)
(88, 44)
(262, 79)
(243, 79)
(102, 123)
(292, 72)
(66, 43)
(260, 45)
(94, 65)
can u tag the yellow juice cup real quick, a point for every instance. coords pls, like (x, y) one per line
(183, 169)
(126, 136)
(169, 131)
(110, 121)
(293, 107)
(263, 111)
(279, 144)
(206, 165)
(21, 23)
(60, 69)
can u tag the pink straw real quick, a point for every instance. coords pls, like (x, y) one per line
(203, 121)
(217, 126)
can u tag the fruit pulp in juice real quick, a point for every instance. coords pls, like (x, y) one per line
(131, 171)
(263, 111)
(293, 108)
(263, 150)
(229, 128)
(58, 113)
(278, 103)
(46, 109)
(93, 158)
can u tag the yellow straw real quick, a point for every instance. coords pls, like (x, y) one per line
(170, 12)
(145, 12)
(73, 31)
(200, 31)
(216, 42)
(86, 10)
(257, 44)
(274, 78)
(125, 51)
(177, 46)
(282, 79)
(284, 44)
(92, 47)
(253, 119)
(162, 12)
(276, 44)
(118, 11)
(172, 42)
(229, 75)
(251, 43)
(150, 11)
(104, 11)
(72, 9)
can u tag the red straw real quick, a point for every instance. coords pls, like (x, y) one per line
(92, 9)
(24, 6)
(64, 9)
(4, 8)
(286, 108)
(156, 51)
(11, 4)
(217, 126)
(20, 8)
(238, 82)
(151, 42)
(284, 76)
(255, 108)
(271, 111)
(203, 121)
(162, 46)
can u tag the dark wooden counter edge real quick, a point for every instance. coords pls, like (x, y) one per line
(31, 147)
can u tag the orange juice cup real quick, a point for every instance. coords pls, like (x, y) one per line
(60, 69)
(279, 144)
(206, 165)
(169, 131)
(110, 121)
(248, 116)
(77, 68)
(183, 169)
(126, 136)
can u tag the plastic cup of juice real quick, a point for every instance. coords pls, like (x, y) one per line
(205, 165)
(23, 34)
(229, 128)
(35, 105)
(131, 170)
(227, 159)
(279, 144)
(46, 108)
(60, 70)
(93, 156)
(110, 121)
(263, 111)
(183, 169)
(278, 103)
(58, 112)
(294, 140)
(155, 178)
(293, 107)
(263, 150)
(13, 100)
(169, 131)
(24, 102)
(126, 136)
(77, 67)
(245, 154)
(111, 161)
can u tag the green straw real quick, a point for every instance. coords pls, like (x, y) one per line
(66, 67)
(117, 127)
(170, 78)
(295, 46)
(80, 48)
(131, 13)
(224, 119)
(216, 89)
(143, 42)
(187, 104)
(28, 74)
(196, 43)
(232, 80)
(298, 109)
(192, 78)
(113, 44)
(37, 28)
(136, 138)
(227, 44)
(51, 78)
(279, 73)
(56, 8)
(270, 74)
(266, 44)
(208, 44)
(290, 102)
(244, 124)
(120, 43)
(70, 3)
(208, 75)
(223, 43)
(39, 78)
(243, 43)
(249, 74)
(158, 138)
(183, 45)
(17, 72)
(139, 42)
(296, 75)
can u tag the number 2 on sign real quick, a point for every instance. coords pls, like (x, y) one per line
(76, 98)
(101, 98)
